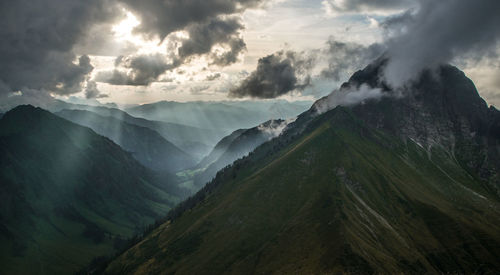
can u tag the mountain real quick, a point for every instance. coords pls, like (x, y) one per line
(223, 116)
(146, 145)
(277, 108)
(236, 145)
(220, 148)
(407, 183)
(68, 194)
(195, 141)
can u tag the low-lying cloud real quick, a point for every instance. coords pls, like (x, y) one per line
(347, 97)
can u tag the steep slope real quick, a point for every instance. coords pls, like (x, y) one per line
(235, 146)
(68, 195)
(146, 145)
(443, 109)
(193, 140)
(220, 148)
(343, 192)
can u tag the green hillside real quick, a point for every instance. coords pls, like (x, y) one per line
(235, 146)
(348, 191)
(341, 198)
(68, 195)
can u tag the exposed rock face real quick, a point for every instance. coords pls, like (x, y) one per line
(442, 108)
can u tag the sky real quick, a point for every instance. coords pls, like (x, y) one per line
(134, 52)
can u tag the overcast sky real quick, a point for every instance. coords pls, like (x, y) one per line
(131, 52)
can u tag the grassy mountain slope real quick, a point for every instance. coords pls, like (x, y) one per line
(398, 184)
(68, 195)
(146, 145)
(235, 146)
(340, 197)
(220, 148)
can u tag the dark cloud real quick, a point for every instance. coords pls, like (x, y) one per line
(91, 91)
(438, 32)
(141, 70)
(213, 77)
(236, 46)
(42, 39)
(144, 69)
(276, 74)
(345, 58)
(162, 17)
(366, 5)
(198, 90)
(202, 37)
(37, 40)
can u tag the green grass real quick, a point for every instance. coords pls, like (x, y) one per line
(339, 198)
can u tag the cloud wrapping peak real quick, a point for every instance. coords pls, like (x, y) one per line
(347, 97)
(346, 57)
(437, 33)
(276, 74)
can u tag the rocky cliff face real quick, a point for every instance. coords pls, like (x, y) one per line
(441, 109)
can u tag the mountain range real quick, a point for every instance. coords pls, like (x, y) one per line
(146, 145)
(68, 194)
(407, 182)
(222, 116)
(195, 141)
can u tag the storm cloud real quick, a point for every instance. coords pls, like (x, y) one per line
(91, 91)
(37, 40)
(207, 24)
(140, 70)
(41, 39)
(276, 74)
(440, 32)
(162, 17)
(370, 6)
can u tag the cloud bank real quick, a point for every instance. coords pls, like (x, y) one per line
(37, 40)
(439, 32)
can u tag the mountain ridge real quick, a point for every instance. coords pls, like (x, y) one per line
(68, 195)
(338, 192)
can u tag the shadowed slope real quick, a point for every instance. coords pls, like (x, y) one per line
(68, 195)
